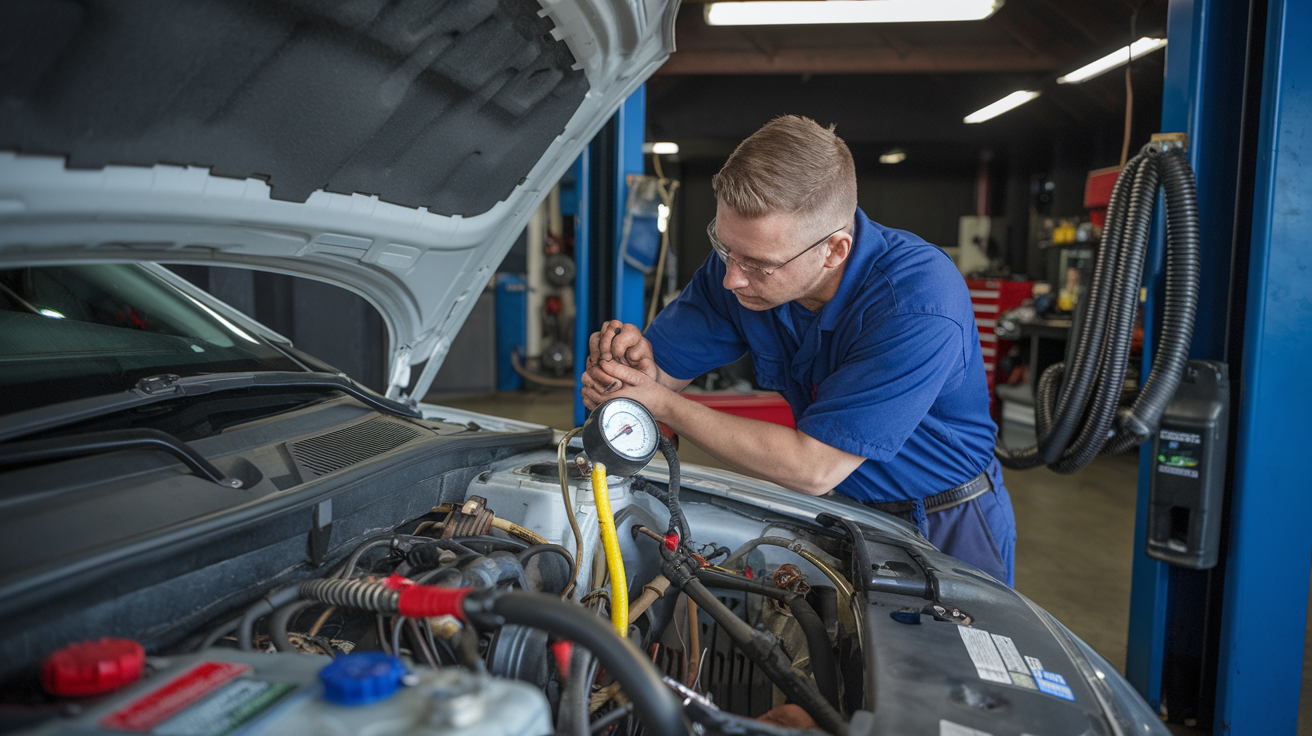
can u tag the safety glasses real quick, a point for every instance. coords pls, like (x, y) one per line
(749, 269)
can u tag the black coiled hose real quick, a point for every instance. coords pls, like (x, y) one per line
(678, 522)
(1076, 414)
(367, 596)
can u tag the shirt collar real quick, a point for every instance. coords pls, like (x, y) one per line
(868, 244)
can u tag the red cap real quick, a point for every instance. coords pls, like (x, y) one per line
(423, 601)
(93, 667)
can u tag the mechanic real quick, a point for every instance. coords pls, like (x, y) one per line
(868, 332)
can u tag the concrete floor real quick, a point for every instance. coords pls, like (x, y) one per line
(1075, 545)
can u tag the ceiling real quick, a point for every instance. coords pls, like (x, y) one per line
(1054, 36)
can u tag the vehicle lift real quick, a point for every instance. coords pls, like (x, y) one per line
(1219, 648)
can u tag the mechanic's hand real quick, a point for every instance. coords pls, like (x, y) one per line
(631, 384)
(622, 344)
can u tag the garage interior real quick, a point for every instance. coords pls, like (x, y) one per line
(1009, 197)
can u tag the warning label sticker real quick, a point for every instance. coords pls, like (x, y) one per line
(1049, 682)
(228, 709)
(210, 699)
(1016, 669)
(984, 654)
(997, 659)
(948, 728)
(157, 706)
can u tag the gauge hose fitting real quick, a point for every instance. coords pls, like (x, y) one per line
(619, 584)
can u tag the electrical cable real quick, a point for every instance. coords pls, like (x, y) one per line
(1077, 414)
(678, 522)
(569, 506)
(619, 584)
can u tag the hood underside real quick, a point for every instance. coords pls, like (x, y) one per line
(395, 149)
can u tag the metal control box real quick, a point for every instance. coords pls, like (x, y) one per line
(1189, 463)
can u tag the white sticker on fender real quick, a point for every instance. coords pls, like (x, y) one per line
(948, 728)
(988, 663)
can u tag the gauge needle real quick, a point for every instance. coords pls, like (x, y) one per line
(626, 429)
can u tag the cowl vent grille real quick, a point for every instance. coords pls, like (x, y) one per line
(345, 447)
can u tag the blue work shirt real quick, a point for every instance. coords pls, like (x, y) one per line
(890, 369)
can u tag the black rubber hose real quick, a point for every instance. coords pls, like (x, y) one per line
(1180, 303)
(658, 709)
(763, 649)
(281, 620)
(573, 712)
(677, 521)
(266, 605)
(537, 549)
(218, 632)
(824, 666)
(429, 554)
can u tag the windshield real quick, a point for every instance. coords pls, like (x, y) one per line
(68, 332)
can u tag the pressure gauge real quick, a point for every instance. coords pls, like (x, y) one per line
(622, 434)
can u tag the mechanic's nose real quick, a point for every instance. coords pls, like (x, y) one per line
(734, 278)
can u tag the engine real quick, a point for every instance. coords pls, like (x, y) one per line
(548, 601)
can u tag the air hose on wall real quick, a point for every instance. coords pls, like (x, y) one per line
(1076, 407)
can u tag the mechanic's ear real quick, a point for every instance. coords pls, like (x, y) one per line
(838, 249)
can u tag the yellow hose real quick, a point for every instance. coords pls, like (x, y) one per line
(619, 585)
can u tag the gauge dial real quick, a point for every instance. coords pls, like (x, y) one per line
(622, 434)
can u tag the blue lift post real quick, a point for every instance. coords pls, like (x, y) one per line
(1202, 96)
(1269, 558)
(631, 126)
(601, 182)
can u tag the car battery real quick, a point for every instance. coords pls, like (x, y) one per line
(222, 692)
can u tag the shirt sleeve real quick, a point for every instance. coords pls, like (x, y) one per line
(697, 332)
(886, 385)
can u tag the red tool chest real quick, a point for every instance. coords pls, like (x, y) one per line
(990, 298)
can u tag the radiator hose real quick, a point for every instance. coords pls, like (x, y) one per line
(1076, 407)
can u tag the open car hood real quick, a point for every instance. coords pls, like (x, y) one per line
(395, 149)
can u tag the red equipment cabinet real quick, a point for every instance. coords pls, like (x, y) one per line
(990, 298)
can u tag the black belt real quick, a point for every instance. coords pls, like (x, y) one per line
(973, 488)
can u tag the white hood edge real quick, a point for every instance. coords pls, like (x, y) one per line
(422, 271)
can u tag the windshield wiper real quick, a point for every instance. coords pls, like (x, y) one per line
(155, 389)
(95, 443)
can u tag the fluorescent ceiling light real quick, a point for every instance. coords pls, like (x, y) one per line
(791, 12)
(895, 156)
(1143, 46)
(662, 148)
(1013, 100)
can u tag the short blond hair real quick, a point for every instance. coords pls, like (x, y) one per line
(790, 166)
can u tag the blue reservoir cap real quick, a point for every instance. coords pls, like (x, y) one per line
(363, 678)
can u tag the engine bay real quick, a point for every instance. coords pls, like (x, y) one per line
(513, 535)
(438, 586)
